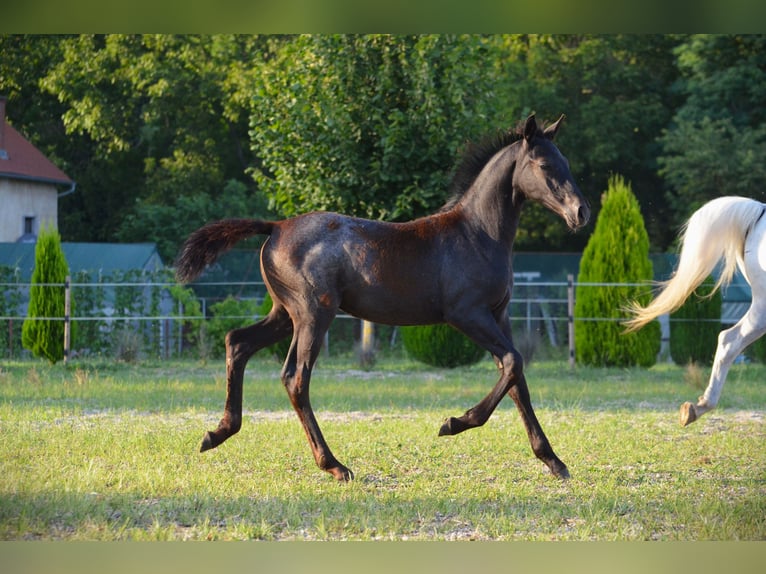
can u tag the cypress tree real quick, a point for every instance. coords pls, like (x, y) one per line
(617, 252)
(43, 331)
(694, 327)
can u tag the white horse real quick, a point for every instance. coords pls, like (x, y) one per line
(732, 229)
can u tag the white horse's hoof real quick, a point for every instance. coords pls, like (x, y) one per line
(688, 414)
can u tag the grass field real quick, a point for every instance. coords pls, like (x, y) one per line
(99, 451)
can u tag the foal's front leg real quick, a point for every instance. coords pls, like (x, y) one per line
(494, 335)
(540, 445)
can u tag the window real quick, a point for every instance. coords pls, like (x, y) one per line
(29, 225)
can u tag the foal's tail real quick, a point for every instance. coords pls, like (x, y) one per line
(716, 231)
(205, 245)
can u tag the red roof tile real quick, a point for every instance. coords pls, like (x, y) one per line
(25, 161)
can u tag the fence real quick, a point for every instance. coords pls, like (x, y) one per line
(153, 312)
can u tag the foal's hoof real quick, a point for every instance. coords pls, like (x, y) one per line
(452, 426)
(341, 473)
(209, 441)
(560, 471)
(688, 414)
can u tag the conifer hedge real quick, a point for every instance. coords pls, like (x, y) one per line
(440, 346)
(617, 252)
(694, 327)
(757, 351)
(43, 331)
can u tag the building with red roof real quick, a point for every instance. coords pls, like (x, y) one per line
(30, 185)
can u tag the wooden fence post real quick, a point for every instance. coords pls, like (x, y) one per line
(367, 358)
(67, 319)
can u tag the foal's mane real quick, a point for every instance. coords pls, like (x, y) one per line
(475, 156)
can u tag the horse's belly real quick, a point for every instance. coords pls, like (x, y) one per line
(390, 310)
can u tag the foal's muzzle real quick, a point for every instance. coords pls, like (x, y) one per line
(583, 214)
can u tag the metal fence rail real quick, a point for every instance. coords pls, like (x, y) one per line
(542, 307)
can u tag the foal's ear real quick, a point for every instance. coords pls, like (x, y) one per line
(530, 128)
(550, 131)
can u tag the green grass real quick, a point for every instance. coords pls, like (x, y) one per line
(99, 451)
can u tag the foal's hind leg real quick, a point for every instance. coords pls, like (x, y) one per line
(296, 376)
(495, 337)
(241, 344)
(731, 343)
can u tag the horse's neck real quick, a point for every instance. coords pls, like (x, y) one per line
(489, 203)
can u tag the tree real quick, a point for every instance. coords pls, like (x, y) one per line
(166, 121)
(43, 331)
(369, 125)
(717, 141)
(617, 252)
(616, 92)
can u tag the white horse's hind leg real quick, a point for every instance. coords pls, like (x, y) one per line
(750, 328)
(731, 343)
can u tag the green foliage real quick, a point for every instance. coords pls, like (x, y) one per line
(372, 124)
(187, 305)
(695, 326)
(617, 252)
(718, 137)
(617, 93)
(178, 215)
(231, 313)
(161, 122)
(369, 124)
(43, 331)
(440, 345)
(757, 350)
(90, 295)
(10, 303)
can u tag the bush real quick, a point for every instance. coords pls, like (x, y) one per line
(229, 314)
(440, 346)
(694, 327)
(10, 302)
(43, 331)
(617, 252)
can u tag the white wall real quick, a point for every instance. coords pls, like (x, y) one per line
(20, 199)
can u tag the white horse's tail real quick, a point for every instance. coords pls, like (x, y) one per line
(715, 232)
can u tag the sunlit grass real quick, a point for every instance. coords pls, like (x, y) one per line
(110, 452)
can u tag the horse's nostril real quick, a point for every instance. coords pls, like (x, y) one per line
(583, 214)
